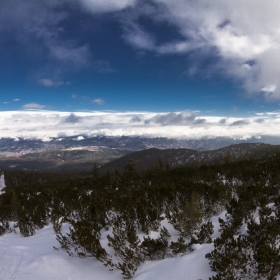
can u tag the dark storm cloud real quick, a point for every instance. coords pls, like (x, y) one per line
(173, 118)
(259, 120)
(72, 118)
(199, 121)
(135, 119)
(239, 123)
(223, 121)
(183, 118)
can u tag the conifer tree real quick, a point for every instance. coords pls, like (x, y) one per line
(96, 171)
(188, 219)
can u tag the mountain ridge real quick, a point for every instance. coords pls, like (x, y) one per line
(70, 153)
(176, 157)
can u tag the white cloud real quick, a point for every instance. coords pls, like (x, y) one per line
(103, 66)
(51, 83)
(38, 27)
(138, 37)
(33, 106)
(48, 124)
(98, 101)
(269, 89)
(235, 31)
(177, 47)
(46, 82)
(70, 54)
(101, 6)
(16, 99)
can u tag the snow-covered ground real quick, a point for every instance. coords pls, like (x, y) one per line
(35, 258)
(2, 183)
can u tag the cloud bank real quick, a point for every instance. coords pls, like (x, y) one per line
(180, 125)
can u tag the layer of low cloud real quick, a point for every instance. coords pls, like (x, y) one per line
(181, 125)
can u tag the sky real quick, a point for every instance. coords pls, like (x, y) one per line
(192, 59)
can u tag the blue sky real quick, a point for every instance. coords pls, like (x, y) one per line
(139, 55)
(203, 58)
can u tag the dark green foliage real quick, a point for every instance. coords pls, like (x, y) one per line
(160, 165)
(179, 247)
(156, 249)
(230, 258)
(255, 254)
(96, 171)
(264, 238)
(132, 203)
(129, 167)
(20, 215)
(126, 246)
(193, 158)
(84, 239)
(205, 233)
(187, 219)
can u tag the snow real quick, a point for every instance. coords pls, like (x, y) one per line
(35, 258)
(189, 267)
(2, 183)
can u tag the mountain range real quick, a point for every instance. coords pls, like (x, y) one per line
(175, 157)
(80, 152)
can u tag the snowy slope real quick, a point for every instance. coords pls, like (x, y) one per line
(2, 183)
(35, 258)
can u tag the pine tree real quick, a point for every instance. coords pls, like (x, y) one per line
(188, 219)
(156, 249)
(179, 247)
(25, 226)
(96, 171)
(125, 243)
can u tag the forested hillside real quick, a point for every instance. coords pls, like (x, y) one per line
(126, 207)
(178, 157)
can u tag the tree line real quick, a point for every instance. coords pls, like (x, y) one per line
(123, 205)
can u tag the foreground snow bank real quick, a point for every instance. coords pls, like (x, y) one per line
(35, 258)
(189, 267)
